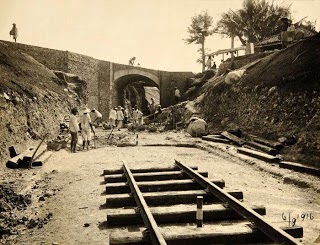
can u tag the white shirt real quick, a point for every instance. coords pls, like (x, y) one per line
(177, 93)
(113, 114)
(97, 113)
(73, 124)
(120, 115)
(85, 121)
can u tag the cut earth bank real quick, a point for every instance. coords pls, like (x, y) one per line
(68, 190)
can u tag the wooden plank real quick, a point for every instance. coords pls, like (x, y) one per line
(241, 233)
(165, 198)
(300, 168)
(165, 185)
(258, 155)
(145, 170)
(215, 139)
(264, 148)
(150, 176)
(233, 138)
(274, 144)
(176, 214)
(14, 162)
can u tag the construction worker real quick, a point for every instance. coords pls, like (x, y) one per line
(131, 61)
(137, 116)
(86, 127)
(113, 117)
(120, 117)
(177, 95)
(98, 116)
(74, 129)
(14, 32)
(284, 27)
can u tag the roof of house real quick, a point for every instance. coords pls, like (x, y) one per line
(276, 38)
(223, 51)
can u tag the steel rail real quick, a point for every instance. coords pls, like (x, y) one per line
(276, 234)
(150, 223)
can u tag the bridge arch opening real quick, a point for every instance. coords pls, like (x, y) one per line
(130, 90)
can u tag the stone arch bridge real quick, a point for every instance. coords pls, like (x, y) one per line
(108, 82)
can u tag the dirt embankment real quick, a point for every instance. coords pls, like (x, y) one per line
(277, 97)
(33, 100)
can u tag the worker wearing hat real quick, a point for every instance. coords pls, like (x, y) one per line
(120, 117)
(284, 27)
(113, 117)
(86, 127)
(98, 116)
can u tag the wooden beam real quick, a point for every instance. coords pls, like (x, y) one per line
(259, 155)
(215, 139)
(300, 168)
(145, 170)
(274, 144)
(166, 198)
(150, 176)
(241, 233)
(176, 214)
(264, 148)
(165, 185)
(233, 138)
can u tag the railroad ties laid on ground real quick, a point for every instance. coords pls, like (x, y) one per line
(159, 206)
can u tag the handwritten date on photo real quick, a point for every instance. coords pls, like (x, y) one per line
(292, 219)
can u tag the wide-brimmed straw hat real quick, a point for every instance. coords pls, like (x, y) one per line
(85, 109)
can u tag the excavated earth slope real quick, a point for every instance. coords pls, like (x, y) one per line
(33, 100)
(279, 96)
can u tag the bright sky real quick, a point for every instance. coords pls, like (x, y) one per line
(116, 30)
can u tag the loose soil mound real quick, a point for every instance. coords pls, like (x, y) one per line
(278, 97)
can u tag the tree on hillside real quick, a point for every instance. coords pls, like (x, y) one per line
(256, 20)
(199, 30)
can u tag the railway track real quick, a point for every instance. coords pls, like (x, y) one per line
(180, 205)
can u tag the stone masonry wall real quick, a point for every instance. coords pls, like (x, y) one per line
(104, 92)
(170, 80)
(87, 69)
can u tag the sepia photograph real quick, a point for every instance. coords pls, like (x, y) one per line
(174, 122)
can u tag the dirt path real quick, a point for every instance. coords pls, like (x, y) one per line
(75, 182)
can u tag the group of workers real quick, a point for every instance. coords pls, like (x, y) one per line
(118, 116)
(83, 125)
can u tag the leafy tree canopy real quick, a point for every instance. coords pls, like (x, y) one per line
(200, 28)
(256, 20)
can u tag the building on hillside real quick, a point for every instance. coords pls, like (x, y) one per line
(274, 42)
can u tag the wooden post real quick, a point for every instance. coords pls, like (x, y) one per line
(199, 211)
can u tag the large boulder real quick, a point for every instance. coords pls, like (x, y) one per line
(197, 127)
(234, 76)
